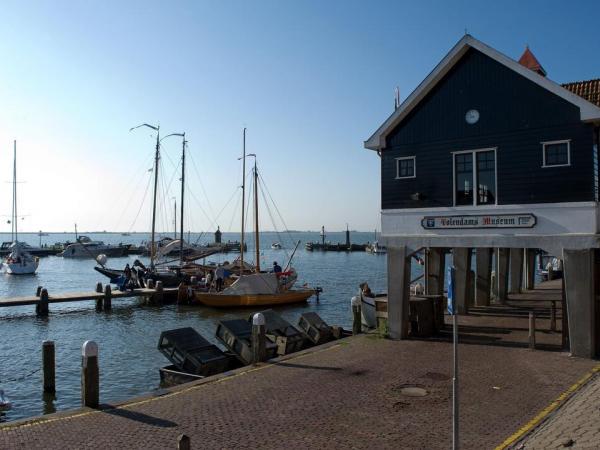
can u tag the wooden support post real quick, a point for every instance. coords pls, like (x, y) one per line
(356, 315)
(434, 271)
(158, 296)
(483, 283)
(90, 375)
(48, 366)
(530, 254)
(553, 316)
(259, 338)
(564, 326)
(398, 281)
(107, 298)
(99, 287)
(461, 259)
(532, 331)
(42, 306)
(38, 291)
(502, 274)
(183, 442)
(516, 270)
(150, 283)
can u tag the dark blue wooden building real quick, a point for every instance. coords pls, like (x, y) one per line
(490, 154)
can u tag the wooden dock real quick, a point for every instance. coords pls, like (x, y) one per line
(102, 297)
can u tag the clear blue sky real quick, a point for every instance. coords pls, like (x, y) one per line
(310, 79)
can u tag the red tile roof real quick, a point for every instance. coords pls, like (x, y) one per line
(589, 90)
(528, 60)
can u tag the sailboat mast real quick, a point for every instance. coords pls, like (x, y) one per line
(156, 160)
(14, 219)
(256, 218)
(175, 218)
(182, 192)
(243, 201)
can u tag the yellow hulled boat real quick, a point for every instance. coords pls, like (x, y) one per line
(223, 300)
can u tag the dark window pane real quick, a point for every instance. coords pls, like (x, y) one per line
(486, 178)
(406, 168)
(557, 154)
(464, 178)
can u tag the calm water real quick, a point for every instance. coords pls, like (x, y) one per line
(127, 336)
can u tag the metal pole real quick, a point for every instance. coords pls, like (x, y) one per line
(175, 218)
(15, 220)
(257, 243)
(243, 201)
(156, 160)
(182, 192)
(455, 440)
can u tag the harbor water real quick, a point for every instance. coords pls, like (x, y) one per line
(128, 335)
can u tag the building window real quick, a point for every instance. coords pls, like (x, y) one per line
(556, 153)
(472, 169)
(405, 167)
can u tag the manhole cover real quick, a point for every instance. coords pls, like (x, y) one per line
(413, 391)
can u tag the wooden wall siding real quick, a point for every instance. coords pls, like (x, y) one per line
(515, 116)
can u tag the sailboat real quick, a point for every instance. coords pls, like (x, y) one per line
(19, 261)
(258, 288)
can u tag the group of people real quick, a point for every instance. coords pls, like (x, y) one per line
(217, 277)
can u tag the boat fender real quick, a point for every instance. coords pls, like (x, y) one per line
(101, 259)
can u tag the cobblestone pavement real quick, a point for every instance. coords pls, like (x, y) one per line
(347, 395)
(575, 425)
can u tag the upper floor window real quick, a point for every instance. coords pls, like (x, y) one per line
(475, 177)
(405, 167)
(556, 153)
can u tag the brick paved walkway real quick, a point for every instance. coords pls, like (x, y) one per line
(346, 395)
(574, 425)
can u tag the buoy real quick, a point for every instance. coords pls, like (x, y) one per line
(101, 259)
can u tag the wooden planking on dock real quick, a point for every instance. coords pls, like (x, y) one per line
(78, 296)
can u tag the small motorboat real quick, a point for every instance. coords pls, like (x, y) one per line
(276, 246)
(375, 247)
(87, 248)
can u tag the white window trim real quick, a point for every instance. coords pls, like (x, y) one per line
(414, 175)
(474, 164)
(564, 141)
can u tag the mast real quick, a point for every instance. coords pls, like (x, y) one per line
(175, 219)
(14, 218)
(256, 217)
(243, 201)
(156, 160)
(182, 192)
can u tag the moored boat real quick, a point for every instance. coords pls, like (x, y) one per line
(87, 248)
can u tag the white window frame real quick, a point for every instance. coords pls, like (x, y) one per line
(414, 175)
(474, 164)
(563, 141)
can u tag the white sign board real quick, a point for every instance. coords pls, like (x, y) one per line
(479, 221)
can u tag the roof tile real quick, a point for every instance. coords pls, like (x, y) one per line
(589, 90)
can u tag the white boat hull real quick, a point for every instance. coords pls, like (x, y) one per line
(26, 268)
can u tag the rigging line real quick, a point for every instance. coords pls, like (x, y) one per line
(168, 157)
(250, 196)
(201, 184)
(142, 204)
(133, 192)
(264, 184)
(233, 216)
(262, 191)
(201, 208)
(233, 194)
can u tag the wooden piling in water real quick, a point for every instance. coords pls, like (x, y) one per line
(356, 316)
(158, 295)
(532, 331)
(38, 291)
(99, 290)
(42, 306)
(107, 298)
(48, 366)
(90, 375)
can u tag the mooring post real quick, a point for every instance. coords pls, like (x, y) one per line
(182, 294)
(356, 313)
(553, 316)
(99, 290)
(42, 306)
(150, 283)
(90, 375)
(38, 291)
(158, 296)
(532, 330)
(107, 298)
(48, 366)
(183, 442)
(258, 338)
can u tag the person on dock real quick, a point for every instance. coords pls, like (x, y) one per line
(276, 267)
(366, 290)
(208, 279)
(219, 276)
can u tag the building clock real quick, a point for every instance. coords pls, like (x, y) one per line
(472, 116)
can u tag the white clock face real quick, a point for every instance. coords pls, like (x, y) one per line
(472, 116)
